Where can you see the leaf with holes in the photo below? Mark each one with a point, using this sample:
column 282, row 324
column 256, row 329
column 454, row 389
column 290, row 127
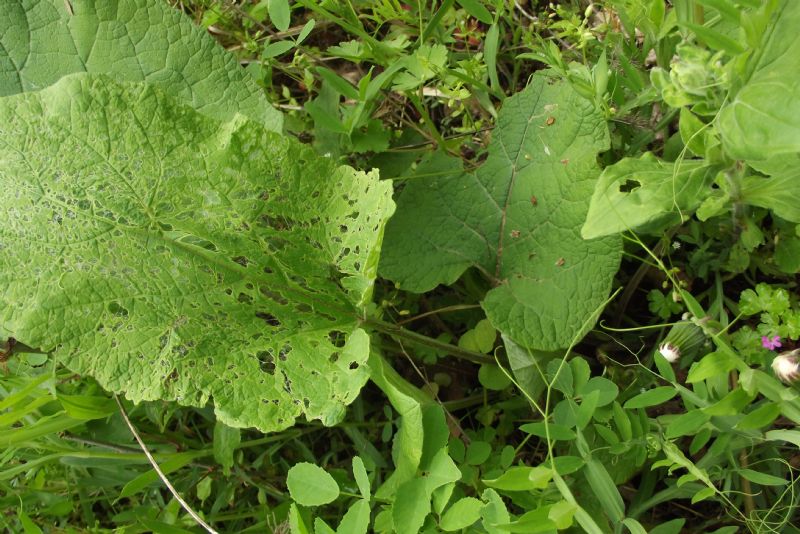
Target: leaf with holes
column 128, row 40
column 646, row 194
column 517, row 220
column 172, row 256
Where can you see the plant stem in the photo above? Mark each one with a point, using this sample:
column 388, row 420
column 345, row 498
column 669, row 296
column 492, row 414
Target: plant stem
column 418, row 339
column 455, row 307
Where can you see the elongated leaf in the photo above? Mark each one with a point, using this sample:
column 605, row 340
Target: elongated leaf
column 356, row 520
column 129, row 40
column 646, row 194
column 760, row 417
column 151, row 477
column 651, row 397
column 360, row 474
column 525, row 364
column 792, row 436
column 408, row 442
column 477, row 10
column 516, row 220
column 174, row 257
column 763, row 119
column 686, row 424
column 279, row 13
column 519, row 478
column 762, row 478
column 604, row 489
column 226, row 440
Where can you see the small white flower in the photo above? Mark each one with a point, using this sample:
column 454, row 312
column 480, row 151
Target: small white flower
column 670, row 352
column 786, row 366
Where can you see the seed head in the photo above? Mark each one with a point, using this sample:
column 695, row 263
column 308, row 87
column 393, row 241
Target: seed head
column 670, row 352
column 786, row 366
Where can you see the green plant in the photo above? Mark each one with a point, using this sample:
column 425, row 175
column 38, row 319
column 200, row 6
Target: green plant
column 165, row 238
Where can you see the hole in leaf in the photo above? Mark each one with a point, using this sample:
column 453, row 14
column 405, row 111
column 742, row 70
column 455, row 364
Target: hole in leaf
column 272, row 295
column 337, row 338
column 117, row 310
column 287, row 384
column 241, row 260
column 353, row 365
column 266, row 362
column 199, row 242
column 245, row 298
column 268, row 318
column 629, row 186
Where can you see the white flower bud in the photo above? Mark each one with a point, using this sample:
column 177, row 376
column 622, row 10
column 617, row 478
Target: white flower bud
column 670, row 352
column 786, row 366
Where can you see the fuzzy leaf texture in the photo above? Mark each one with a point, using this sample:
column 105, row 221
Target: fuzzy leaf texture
column 172, row 256
column 517, row 219
column 762, row 122
column 129, row 40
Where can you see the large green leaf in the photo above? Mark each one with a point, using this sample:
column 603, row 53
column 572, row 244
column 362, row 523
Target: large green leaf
column 763, row 119
column 129, row 40
column 517, row 220
column 172, row 256
column 646, row 194
column 778, row 193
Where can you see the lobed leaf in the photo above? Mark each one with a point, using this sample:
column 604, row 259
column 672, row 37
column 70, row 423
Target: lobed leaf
column 171, row 256
column 516, row 219
column 129, row 40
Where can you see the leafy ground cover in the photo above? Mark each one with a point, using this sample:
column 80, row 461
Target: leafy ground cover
column 448, row 266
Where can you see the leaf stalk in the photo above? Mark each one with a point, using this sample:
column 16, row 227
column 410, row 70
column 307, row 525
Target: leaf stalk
column 396, row 331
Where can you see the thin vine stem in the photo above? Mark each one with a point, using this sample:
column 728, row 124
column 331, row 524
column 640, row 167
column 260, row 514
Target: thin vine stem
column 160, row 473
column 397, row 331
column 455, row 307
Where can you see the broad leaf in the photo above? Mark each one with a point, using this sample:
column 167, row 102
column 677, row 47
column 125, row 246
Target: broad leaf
column 129, row 40
column 646, row 194
column 461, row 514
column 311, row 485
column 763, row 119
column 171, row 256
column 778, row 193
column 516, row 220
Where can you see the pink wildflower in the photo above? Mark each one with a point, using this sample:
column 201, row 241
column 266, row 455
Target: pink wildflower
column 771, row 343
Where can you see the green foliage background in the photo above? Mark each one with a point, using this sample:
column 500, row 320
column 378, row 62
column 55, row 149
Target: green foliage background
column 584, row 284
